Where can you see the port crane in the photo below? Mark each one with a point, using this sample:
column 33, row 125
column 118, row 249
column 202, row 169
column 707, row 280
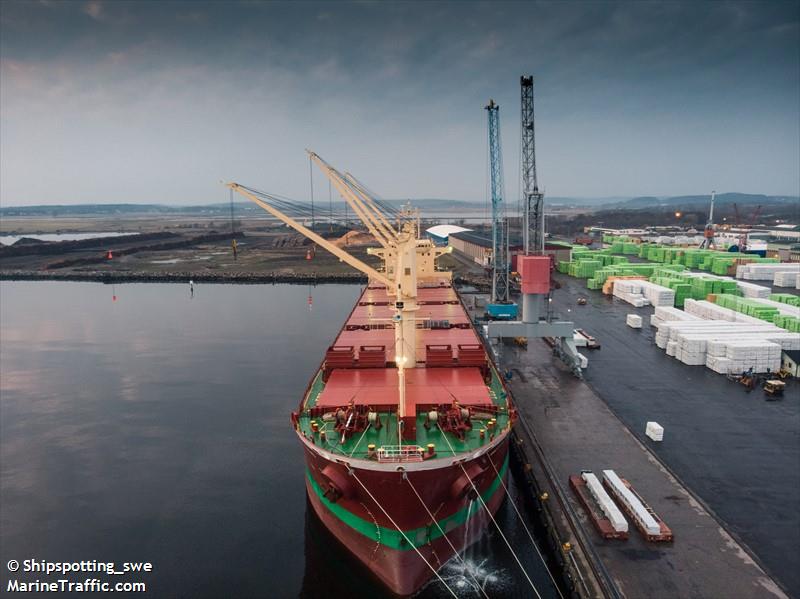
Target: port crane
column 500, row 306
column 535, row 319
column 708, row 232
column 533, row 199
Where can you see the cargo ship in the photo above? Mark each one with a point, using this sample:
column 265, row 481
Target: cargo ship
column 405, row 425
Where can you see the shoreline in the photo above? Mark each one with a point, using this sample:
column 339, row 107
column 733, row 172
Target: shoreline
column 235, row 278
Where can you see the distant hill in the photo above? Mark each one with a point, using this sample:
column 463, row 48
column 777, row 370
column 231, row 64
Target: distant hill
column 222, row 209
column 426, row 204
column 694, row 201
column 569, row 201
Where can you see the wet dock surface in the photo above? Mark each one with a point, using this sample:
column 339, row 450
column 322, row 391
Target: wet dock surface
column 736, row 452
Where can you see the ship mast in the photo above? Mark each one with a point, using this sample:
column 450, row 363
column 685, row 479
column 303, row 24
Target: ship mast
column 407, row 260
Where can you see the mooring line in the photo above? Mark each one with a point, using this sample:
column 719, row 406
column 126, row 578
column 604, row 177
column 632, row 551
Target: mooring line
column 400, row 530
column 433, row 519
column 359, row 440
column 488, row 511
column 525, row 526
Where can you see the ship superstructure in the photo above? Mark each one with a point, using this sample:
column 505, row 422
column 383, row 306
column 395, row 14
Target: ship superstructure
column 405, row 425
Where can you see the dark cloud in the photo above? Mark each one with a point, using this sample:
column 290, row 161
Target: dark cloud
column 155, row 101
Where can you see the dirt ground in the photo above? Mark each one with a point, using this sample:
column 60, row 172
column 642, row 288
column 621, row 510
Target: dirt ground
column 262, row 247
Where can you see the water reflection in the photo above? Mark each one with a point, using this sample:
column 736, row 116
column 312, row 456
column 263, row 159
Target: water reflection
column 155, row 428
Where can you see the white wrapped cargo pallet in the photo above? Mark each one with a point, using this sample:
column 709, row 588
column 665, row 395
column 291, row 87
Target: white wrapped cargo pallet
column 719, row 365
column 610, row 509
column 706, row 327
column 712, row 311
column 670, row 313
column 630, row 291
column 657, row 295
column 647, row 522
column 764, row 271
column 634, row 321
column 706, row 342
column 785, row 279
column 655, row 431
column 753, row 291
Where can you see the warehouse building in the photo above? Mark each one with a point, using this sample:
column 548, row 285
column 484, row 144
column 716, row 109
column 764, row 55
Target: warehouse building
column 478, row 247
column 440, row 234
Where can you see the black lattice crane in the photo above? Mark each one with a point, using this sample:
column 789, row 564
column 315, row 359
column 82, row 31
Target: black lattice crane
column 533, row 199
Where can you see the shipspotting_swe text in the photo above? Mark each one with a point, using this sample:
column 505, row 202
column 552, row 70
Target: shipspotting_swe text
column 91, row 565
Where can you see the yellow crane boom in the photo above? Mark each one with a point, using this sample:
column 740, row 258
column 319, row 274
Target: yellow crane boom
column 367, row 215
column 368, row 199
column 321, row 241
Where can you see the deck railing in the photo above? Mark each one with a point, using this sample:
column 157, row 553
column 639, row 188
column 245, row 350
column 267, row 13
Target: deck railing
column 400, row 453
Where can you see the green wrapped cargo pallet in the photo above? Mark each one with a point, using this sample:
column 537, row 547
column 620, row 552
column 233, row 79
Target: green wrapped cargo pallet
column 748, row 306
column 790, row 323
column 786, row 298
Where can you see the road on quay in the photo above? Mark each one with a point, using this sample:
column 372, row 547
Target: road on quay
column 739, row 453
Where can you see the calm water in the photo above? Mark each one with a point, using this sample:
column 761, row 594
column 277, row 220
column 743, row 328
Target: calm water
column 155, row 427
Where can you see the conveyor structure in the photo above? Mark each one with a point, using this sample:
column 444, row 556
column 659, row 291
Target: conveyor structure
column 536, row 322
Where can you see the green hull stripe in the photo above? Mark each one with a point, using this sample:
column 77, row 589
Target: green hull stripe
column 391, row 537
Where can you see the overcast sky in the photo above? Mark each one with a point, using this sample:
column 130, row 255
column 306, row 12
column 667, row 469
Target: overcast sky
column 157, row 101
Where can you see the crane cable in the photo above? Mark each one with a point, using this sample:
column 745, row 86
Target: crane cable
column 291, row 207
column 446, row 538
column 489, row 512
column 527, row 530
column 233, row 231
column 385, row 513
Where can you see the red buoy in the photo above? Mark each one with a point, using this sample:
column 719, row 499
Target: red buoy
column 109, row 255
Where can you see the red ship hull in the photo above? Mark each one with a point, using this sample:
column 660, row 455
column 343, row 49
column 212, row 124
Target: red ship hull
column 364, row 522
column 404, row 494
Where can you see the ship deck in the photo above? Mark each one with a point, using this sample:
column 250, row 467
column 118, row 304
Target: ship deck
column 370, row 325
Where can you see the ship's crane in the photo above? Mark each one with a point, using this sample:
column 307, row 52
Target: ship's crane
column 533, row 199
column 407, row 260
column 708, row 232
column 500, row 306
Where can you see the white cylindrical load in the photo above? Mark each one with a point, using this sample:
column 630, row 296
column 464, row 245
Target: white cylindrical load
column 625, row 495
column 605, row 502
